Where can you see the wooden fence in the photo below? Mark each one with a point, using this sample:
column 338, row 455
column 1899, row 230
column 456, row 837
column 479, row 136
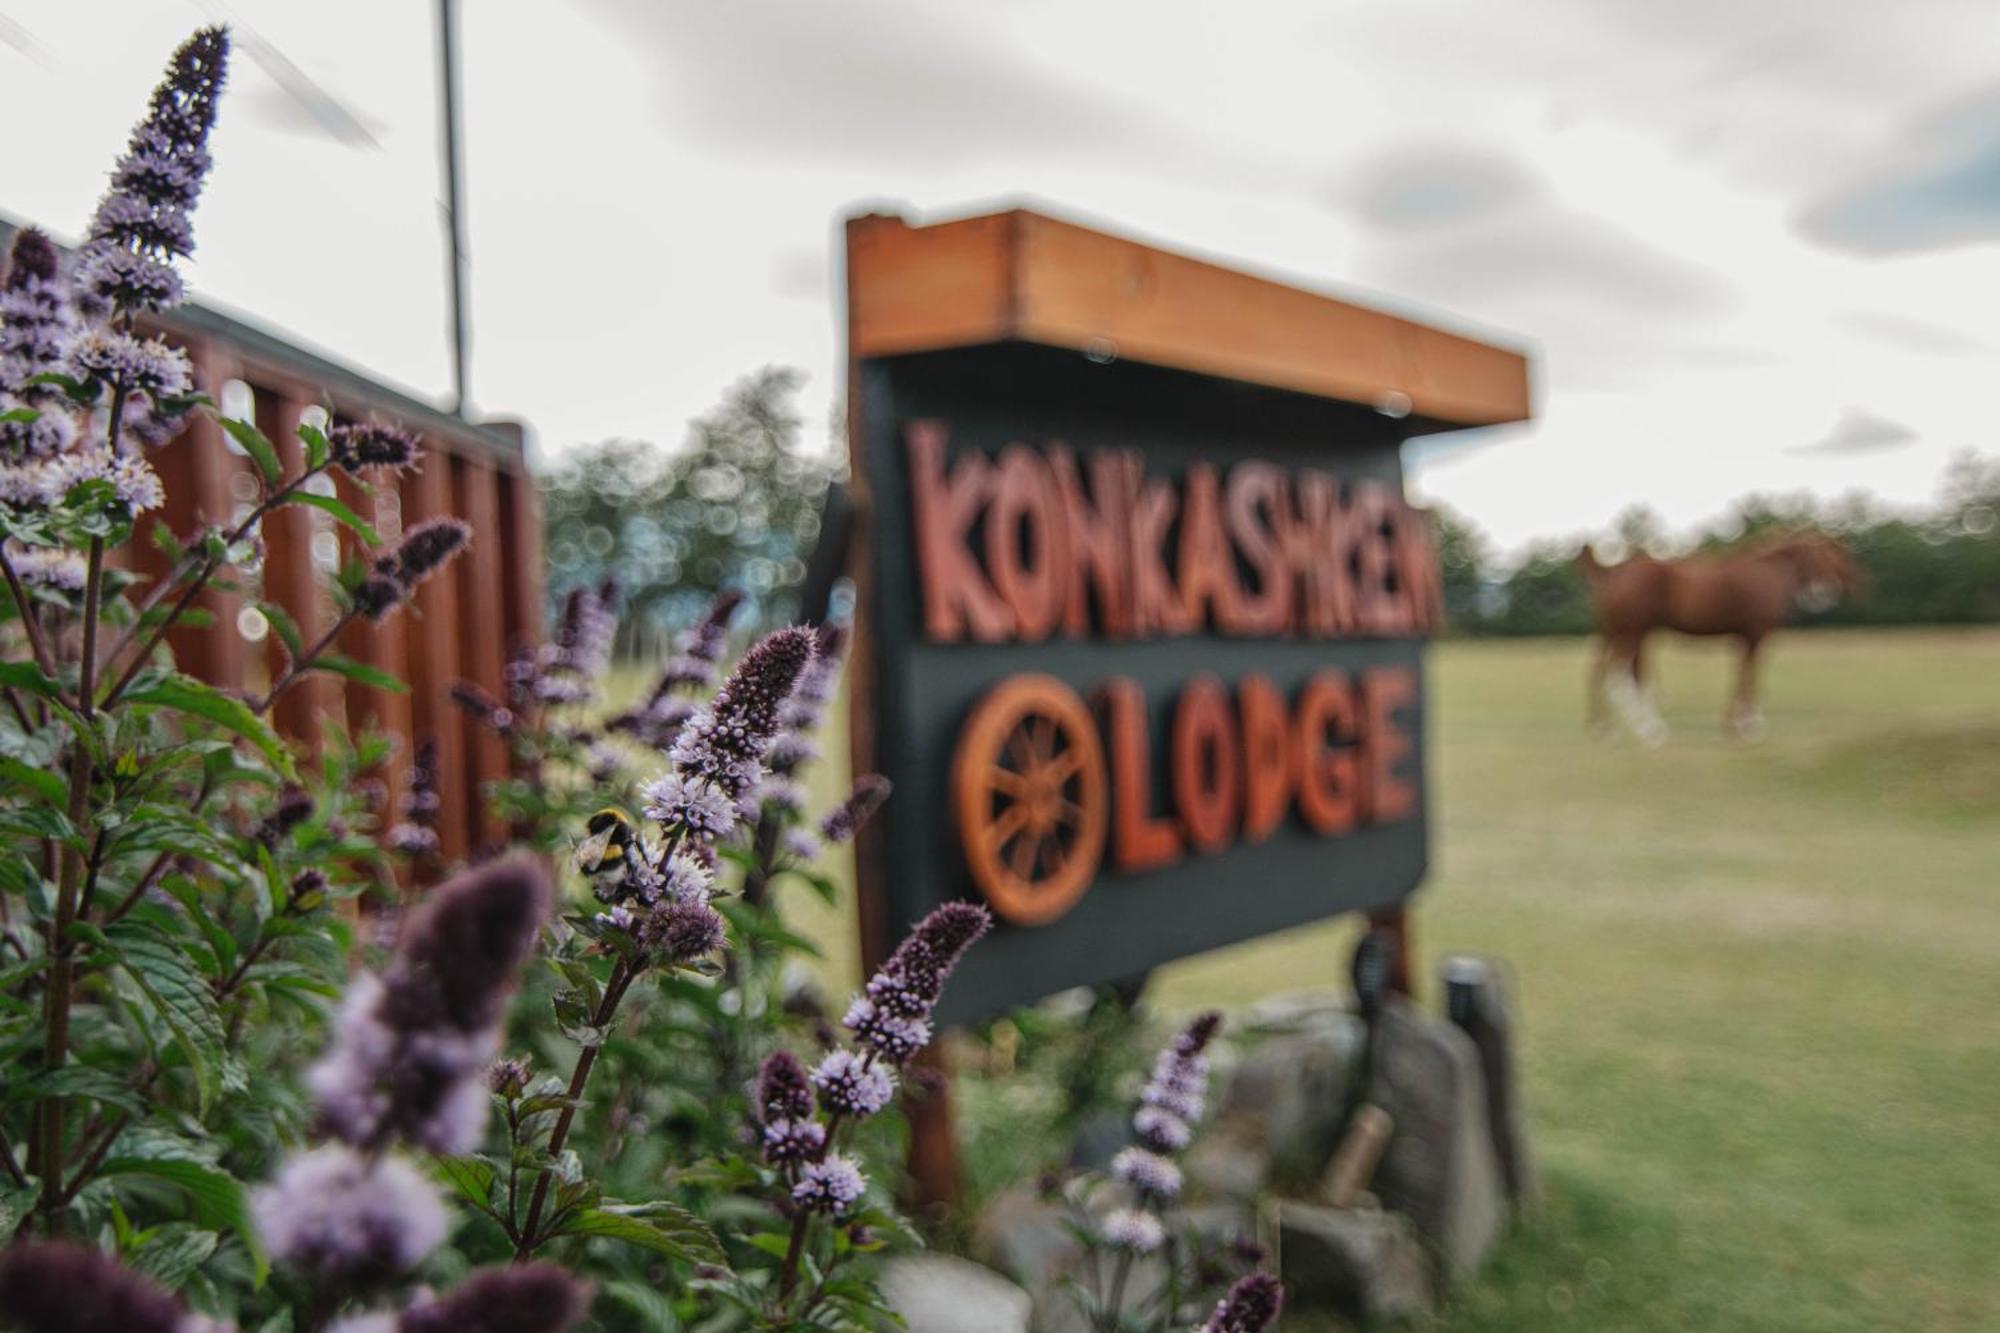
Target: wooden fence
column 462, row 623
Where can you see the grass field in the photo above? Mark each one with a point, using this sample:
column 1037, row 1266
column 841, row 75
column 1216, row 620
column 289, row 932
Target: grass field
column 1760, row 984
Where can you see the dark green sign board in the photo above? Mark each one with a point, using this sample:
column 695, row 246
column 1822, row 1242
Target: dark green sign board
column 1142, row 655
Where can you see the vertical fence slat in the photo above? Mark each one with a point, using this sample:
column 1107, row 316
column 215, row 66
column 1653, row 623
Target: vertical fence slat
column 291, row 581
column 434, row 661
column 461, row 625
column 218, row 655
column 379, row 644
column 482, row 618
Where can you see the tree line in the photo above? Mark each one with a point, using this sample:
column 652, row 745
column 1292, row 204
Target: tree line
column 739, row 503
column 1939, row 566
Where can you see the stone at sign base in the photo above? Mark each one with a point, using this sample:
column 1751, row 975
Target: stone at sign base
column 936, row 1293
column 1476, row 998
column 1280, row 1112
column 1439, row 1168
column 1365, row 1265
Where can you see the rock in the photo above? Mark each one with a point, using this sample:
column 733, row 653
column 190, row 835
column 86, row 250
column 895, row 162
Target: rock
column 1027, row 1238
column 936, row 1293
column 1439, row 1168
column 1365, row 1265
column 1288, row 1096
column 1229, row 1160
column 1477, row 1002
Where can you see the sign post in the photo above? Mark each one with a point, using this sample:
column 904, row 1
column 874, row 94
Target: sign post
column 1142, row 604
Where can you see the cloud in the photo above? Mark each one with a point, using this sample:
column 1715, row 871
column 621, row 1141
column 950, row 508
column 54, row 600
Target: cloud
column 1859, row 432
column 879, row 80
column 1935, row 186
column 1910, row 335
column 1471, row 225
column 803, row 274
column 1436, row 185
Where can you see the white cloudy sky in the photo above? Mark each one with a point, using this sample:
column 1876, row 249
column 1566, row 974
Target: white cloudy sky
column 1751, row 243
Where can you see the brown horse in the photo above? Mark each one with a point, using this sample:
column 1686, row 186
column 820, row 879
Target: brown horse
column 1746, row 593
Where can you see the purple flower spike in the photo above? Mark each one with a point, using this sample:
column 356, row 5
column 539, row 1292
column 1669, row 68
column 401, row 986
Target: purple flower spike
column 845, row 820
column 36, row 330
column 363, row 447
column 65, row 1288
column 141, row 225
column 518, row 1298
column 782, row 1091
column 1251, row 1306
column 892, row 1015
column 681, row 930
column 410, row 1049
column 344, row 1217
column 724, row 745
column 849, row 1085
column 832, row 1185
column 426, row 548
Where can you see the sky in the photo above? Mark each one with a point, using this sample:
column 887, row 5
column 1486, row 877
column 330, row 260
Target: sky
column 1749, row 244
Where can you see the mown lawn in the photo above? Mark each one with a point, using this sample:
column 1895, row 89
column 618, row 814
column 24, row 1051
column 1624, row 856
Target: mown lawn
column 1760, row 984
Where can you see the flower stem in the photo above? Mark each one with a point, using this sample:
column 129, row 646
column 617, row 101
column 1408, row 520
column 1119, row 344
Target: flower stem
column 29, row 621
column 303, row 663
column 1114, row 1306
column 622, row 976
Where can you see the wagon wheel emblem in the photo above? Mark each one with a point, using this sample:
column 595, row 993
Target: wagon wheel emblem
column 1029, row 787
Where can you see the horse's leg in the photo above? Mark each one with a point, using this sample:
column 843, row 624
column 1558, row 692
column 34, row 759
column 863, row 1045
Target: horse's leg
column 1627, row 668
column 1743, row 720
column 1652, row 727
column 1596, row 712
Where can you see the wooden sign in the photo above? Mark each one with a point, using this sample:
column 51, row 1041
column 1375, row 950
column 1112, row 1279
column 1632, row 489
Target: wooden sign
column 1143, row 606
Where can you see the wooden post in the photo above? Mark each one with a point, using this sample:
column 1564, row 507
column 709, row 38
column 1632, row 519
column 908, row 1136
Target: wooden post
column 936, row 1182
column 1395, row 923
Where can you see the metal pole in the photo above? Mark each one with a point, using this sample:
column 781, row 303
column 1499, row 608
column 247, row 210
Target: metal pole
column 454, row 215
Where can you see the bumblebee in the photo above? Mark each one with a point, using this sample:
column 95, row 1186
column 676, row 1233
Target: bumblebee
column 606, row 854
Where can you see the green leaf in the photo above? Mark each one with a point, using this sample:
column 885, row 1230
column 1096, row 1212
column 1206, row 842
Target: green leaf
column 168, row 976
column 171, row 1254
column 471, row 1178
column 191, row 696
column 262, row 452
column 27, row 676
column 340, row 512
column 655, row 1311
column 360, row 672
column 76, row 1080
column 287, row 629
column 665, row 1229
column 314, row 440
column 218, row 1198
column 45, row 785
column 19, row 415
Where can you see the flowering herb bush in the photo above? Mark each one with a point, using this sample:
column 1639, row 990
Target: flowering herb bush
column 170, row 932
column 169, row 876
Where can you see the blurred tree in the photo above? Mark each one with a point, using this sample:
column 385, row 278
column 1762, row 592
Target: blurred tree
column 1545, row 594
column 1463, row 559
column 738, row 504
column 1641, row 531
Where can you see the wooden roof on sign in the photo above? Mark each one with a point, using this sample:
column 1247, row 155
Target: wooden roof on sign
column 1021, row 276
